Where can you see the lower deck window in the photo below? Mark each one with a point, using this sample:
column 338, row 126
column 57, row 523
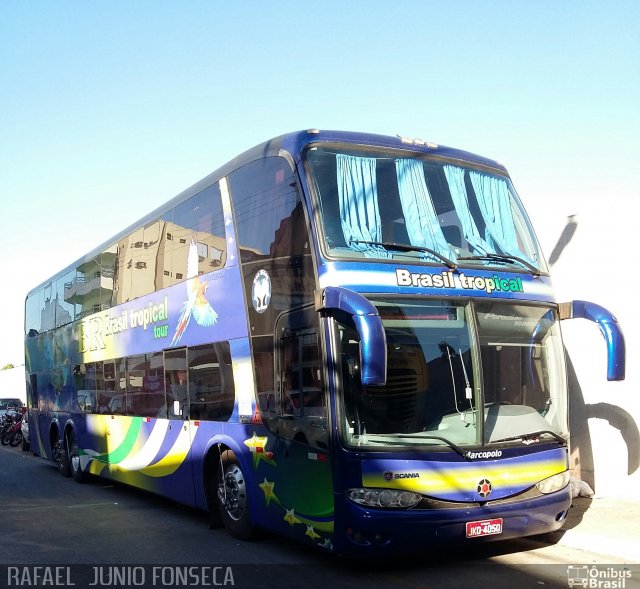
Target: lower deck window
column 187, row 383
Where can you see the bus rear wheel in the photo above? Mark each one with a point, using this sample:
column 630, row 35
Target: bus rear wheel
column 61, row 456
column 232, row 497
column 74, row 459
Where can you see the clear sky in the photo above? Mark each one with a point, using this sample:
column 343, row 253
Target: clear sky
column 108, row 109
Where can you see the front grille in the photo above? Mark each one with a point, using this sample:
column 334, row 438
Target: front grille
column 432, row 503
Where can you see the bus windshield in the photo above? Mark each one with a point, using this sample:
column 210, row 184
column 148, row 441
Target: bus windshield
column 439, row 391
column 394, row 205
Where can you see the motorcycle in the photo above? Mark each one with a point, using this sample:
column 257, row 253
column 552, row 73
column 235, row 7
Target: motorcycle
column 12, row 435
column 8, row 419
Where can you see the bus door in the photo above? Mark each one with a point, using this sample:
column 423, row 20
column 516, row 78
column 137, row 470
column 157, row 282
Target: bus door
column 178, row 434
column 302, row 450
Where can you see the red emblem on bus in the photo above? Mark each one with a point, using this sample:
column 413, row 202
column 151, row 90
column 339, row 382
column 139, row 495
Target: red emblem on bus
column 484, row 488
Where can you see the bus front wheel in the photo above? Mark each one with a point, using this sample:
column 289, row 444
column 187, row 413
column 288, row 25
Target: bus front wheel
column 232, row 497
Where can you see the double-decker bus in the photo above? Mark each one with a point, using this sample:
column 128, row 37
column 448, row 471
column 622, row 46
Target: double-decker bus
column 344, row 338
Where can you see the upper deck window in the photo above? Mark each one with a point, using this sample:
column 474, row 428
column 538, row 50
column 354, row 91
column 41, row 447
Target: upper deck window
column 394, row 205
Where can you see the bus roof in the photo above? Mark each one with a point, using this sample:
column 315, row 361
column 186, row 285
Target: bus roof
column 292, row 144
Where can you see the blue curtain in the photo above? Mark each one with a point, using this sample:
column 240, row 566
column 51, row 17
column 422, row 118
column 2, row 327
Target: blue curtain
column 420, row 215
column 358, row 199
column 495, row 205
column 455, row 180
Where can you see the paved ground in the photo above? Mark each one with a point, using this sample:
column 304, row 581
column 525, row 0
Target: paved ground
column 52, row 520
column 604, row 525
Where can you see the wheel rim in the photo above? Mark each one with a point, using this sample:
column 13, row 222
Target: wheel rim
column 75, row 462
column 232, row 492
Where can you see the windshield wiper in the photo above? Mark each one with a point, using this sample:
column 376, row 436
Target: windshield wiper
column 507, row 259
column 530, row 437
column 409, row 248
column 449, row 443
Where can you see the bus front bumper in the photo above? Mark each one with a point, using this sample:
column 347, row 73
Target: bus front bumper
column 367, row 531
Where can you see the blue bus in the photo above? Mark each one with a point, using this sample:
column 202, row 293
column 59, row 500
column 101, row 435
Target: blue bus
column 344, row 338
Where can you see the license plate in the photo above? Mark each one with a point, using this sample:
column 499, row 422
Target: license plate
column 486, row 527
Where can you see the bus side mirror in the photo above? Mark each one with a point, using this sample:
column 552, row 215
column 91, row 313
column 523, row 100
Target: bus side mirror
column 610, row 329
column 373, row 341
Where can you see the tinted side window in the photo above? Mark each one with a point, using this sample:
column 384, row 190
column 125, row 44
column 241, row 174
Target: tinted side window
column 275, row 255
column 264, row 199
column 175, row 376
column 136, row 262
column 211, row 387
column 156, row 256
column 33, row 313
column 196, row 223
column 65, row 311
column 300, row 394
column 145, row 385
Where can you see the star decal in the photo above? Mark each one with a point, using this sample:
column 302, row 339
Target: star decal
column 311, row 533
column 267, row 489
column 326, row 544
column 257, row 445
column 291, row 518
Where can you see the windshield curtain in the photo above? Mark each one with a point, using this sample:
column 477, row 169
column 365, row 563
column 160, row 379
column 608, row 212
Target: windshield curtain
column 422, row 223
column 358, row 199
column 371, row 198
column 460, row 197
column 442, row 388
column 494, row 201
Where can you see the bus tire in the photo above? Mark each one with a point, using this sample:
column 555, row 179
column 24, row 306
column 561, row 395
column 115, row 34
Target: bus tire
column 74, row 459
column 64, row 468
column 232, row 498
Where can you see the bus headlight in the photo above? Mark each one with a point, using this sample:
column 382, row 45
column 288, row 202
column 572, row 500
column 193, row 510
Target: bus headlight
column 384, row 498
column 554, row 483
